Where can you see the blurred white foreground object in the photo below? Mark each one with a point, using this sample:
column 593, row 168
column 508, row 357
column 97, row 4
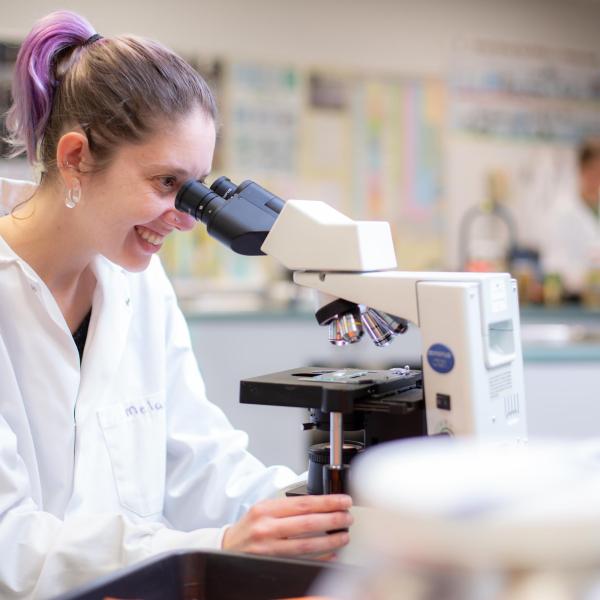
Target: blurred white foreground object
column 461, row 519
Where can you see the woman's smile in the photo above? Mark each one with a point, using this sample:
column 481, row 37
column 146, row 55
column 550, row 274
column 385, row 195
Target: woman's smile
column 149, row 236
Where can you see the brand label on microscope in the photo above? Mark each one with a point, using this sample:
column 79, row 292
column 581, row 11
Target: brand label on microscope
column 440, row 358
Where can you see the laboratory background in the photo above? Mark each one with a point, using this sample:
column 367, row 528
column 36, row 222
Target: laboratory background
column 459, row 122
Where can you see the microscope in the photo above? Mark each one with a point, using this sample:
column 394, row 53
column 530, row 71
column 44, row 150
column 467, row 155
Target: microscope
column 471, row 382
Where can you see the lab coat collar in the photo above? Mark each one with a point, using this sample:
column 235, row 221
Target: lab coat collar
column 109, row 328
column 111, row 305
column 13, row 191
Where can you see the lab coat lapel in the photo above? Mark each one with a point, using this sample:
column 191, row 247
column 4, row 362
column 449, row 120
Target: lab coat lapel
column 107, row 337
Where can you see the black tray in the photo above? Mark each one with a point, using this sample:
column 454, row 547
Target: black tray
column 205, row 576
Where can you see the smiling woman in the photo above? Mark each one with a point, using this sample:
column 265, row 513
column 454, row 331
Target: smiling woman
column 109, row 449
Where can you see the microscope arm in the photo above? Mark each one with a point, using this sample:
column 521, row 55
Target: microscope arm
column 471, row 347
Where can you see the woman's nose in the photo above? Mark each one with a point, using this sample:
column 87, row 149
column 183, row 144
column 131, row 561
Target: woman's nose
column 179, row 220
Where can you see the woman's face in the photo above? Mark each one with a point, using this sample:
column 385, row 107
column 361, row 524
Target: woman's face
column 129, row 207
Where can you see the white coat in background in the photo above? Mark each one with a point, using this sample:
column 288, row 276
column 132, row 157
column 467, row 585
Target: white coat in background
column 571, row 244
column 551, row 216
column 121, row 458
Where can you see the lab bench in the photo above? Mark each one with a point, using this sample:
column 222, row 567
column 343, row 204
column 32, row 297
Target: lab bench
column 561, row 349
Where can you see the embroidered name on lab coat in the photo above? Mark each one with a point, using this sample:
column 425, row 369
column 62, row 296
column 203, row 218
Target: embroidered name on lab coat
column 141, row 409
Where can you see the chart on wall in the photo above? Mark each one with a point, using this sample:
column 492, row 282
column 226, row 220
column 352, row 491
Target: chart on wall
column 264, row 110
column 398, row 159
column 371, row 147
column 526, row 92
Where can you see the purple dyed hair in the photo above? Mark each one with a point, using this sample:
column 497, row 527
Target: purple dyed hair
column 34, row 81
column 117, row 90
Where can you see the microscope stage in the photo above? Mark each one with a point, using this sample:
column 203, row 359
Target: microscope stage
column 342, row 390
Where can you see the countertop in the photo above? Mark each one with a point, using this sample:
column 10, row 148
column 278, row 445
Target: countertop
column 567, row 333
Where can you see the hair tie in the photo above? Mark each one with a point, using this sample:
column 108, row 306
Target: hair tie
column 92, row 39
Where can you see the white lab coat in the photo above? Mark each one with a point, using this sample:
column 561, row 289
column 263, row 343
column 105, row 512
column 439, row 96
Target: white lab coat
column 571, row 245
column 107, row 464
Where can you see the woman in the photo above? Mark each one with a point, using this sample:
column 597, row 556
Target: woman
column 109, row 450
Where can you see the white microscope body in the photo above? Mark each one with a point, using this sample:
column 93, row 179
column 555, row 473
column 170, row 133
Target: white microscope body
column 469, row 322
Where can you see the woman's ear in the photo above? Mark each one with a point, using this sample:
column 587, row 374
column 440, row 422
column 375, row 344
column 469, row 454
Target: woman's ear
column 72, row 152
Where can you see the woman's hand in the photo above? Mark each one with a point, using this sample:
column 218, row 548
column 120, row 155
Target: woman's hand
column 292, row 526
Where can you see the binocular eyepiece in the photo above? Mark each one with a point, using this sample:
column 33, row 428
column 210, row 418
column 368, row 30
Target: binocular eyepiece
column 240, row 216
column 200, row 201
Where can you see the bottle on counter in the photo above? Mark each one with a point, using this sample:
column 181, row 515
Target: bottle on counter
column 553, row 289
column 525, row 268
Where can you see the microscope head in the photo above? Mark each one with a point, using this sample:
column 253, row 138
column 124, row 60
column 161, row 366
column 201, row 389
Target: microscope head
column 314, row 237
column 304, row 236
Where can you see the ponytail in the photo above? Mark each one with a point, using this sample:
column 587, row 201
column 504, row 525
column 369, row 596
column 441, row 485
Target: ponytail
column 116, row 90
column 35, row 78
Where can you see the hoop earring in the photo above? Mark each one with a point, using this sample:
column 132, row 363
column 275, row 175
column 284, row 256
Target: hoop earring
column 73, row 195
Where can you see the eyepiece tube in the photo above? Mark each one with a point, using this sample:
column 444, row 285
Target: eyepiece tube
column 224, row 187
column 238, row 216
column 198, row 200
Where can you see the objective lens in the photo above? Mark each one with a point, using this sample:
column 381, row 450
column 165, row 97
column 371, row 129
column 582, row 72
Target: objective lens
column 198, row 200
column 335, row 334
column 396, row 324
column 224, row 187
column 351, row 329
column 375, row 325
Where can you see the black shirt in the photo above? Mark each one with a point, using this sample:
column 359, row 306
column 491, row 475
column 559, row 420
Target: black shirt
column 80, row 334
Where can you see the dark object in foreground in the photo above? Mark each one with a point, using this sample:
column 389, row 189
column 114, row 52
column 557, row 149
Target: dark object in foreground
column 205, row 576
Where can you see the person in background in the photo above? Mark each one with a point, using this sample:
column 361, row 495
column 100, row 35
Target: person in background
column 572, row 245
column 110, row 451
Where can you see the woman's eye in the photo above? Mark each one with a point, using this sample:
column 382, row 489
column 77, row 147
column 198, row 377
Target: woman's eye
column 167, row 182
